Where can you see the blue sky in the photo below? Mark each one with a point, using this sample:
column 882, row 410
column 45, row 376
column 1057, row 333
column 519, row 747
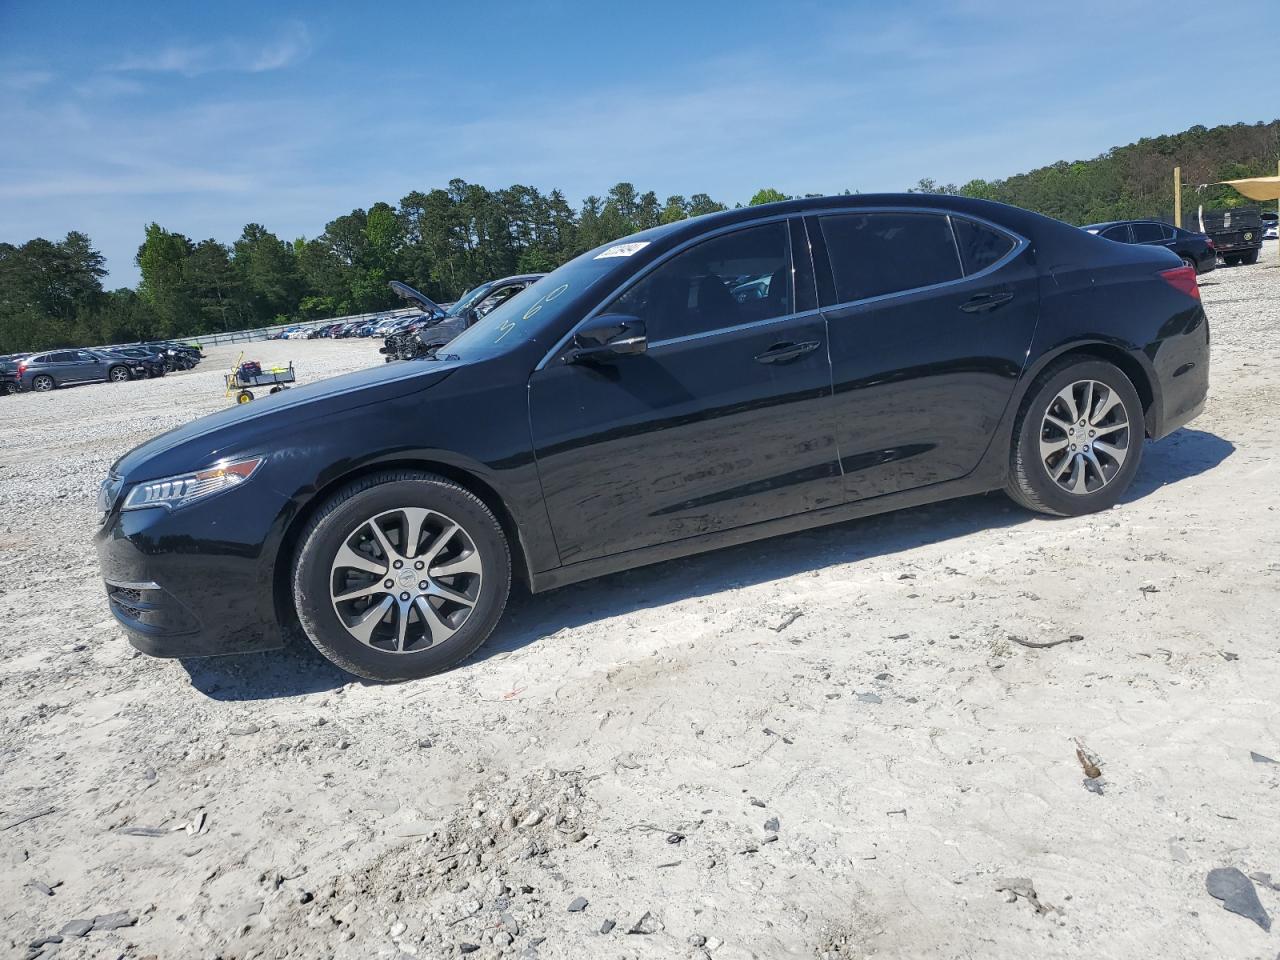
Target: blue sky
column 203, row 117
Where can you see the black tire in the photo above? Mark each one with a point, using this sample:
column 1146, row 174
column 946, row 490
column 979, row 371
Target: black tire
column 1231, row 261
column 1029, row 481
column 42, row 383
column 11, row 388
column 344, row 514
column 1250, row 258
column 1189, row 262
column 119, row 374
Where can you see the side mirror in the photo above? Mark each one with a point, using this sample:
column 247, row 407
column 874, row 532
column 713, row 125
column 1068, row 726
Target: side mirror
column 612, row 335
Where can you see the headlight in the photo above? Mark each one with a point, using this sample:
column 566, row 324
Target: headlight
column 188, row 487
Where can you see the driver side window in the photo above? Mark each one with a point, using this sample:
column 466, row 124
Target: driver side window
column 736, row 278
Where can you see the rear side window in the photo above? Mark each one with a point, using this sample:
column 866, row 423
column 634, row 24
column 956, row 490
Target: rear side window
column 980, row 246
column 873, row 254
column 736, row 278
column 59, row 358
column 1120, row 233
column 1147, row 233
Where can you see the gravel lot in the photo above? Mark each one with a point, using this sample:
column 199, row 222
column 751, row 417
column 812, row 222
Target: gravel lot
column 823, row 745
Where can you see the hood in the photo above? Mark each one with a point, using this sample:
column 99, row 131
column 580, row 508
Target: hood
column 244, row 426
column 406, row 292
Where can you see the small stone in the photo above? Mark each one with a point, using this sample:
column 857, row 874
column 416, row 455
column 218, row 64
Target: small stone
column 772, row 825
column 76, row 928
column 114, row 921
column 870, row 697
column 509, row 924
column 884, row 676
column 646, row 923
column 697, row 940
column 465, row 947
column 502, row 939
column 398, row 928
column 532, row 818
column 41, row 941
column 425, row 744
column 305, row 896
column 41, row 887
column 577, row 904
column 578, row 836
column 1093, row 785
column 757, row 803
column 243, row 729
column 1259, row 758
column 1237, row 894
column 607, row 926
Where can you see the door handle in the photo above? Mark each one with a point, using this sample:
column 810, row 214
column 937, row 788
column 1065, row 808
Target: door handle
column 787, row 351
column 985, row 301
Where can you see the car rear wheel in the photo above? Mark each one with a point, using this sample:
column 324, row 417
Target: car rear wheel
column 118, row 374
column 1078, row 439
column 1250, row 257
column 401, row 575
column 1188, row 262
column 43, row 383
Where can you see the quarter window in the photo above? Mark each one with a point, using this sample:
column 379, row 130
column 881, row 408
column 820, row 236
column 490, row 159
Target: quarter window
column 733, row 279
column 980, row 246
column 873, row 254
column 1119, row 234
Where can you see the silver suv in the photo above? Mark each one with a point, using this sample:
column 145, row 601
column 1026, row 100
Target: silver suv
column 60, row 368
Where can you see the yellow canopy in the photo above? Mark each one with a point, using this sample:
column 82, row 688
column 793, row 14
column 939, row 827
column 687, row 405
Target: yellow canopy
column 1257, row 188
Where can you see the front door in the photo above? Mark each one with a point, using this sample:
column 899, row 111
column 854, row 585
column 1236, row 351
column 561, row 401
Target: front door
column 930, row 318
column 724, row 421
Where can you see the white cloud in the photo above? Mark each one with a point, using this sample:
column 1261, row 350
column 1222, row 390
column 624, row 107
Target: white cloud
column 232, row 55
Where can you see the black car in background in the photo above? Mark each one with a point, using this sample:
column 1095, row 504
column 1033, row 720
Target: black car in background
column 437, row 326
column 1194, row 249
column 628, row 408
column 148, row 363
column 9, row 382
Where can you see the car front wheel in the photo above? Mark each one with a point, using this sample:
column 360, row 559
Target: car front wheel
column 1078, row 439
column 401, row 575
column 118, row 374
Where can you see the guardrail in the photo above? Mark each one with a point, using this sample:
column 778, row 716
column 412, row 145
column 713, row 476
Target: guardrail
column 262, row 333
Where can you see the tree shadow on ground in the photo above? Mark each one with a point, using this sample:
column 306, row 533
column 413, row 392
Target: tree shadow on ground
column 299, row 669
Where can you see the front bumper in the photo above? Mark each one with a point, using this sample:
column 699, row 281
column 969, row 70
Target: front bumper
column 182, row 585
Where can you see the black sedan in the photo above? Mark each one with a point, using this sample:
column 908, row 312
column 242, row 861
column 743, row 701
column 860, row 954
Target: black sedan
column 1193, row 249
column 629, row 408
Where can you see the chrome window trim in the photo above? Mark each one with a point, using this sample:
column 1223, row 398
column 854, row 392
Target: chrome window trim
column 1020, row 243
column 673, row 252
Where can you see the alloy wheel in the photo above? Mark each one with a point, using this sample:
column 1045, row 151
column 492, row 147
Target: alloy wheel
column 405, row 580
column 119, row 374
column 42, row 384
column 1084, row 437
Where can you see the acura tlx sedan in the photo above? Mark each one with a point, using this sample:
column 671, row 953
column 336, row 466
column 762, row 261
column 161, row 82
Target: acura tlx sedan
column 629, row 408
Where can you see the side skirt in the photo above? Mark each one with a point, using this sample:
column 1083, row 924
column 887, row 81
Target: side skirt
column 980, row 481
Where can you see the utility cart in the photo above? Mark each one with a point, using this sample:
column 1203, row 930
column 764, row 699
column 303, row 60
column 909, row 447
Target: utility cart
column 244, row 377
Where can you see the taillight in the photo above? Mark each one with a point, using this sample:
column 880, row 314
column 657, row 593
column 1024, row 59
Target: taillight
column 22, row 368
column 1210, row 244
column 1183, row 279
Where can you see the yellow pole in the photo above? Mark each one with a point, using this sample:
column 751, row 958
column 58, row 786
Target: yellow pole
column 1177, row 196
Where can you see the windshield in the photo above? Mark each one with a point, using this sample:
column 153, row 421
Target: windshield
column 468, row 299
column 540, row 305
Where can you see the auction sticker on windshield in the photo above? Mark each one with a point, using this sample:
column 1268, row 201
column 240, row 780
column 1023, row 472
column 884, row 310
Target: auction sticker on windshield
column 622, row 249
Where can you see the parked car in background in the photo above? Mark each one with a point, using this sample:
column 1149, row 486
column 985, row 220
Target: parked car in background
column 628, row 409
column 1270, row 225
column 1236, row 233
column 9, row 382
column 437, row 326
column 1194, row 249
column 150, row 363
column 42, row 372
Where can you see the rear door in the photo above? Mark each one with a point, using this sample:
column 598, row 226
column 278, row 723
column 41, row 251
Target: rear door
column 64, row 366
column 1119, row 233
column 723, row 422
column 930, row 317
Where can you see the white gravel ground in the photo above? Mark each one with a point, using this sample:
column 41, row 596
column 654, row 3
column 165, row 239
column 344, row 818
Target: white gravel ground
column 821, row 745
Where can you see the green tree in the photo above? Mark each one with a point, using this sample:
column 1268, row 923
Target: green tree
column 767, row 195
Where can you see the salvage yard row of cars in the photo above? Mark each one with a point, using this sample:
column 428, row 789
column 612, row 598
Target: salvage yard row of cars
column 51, row 369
